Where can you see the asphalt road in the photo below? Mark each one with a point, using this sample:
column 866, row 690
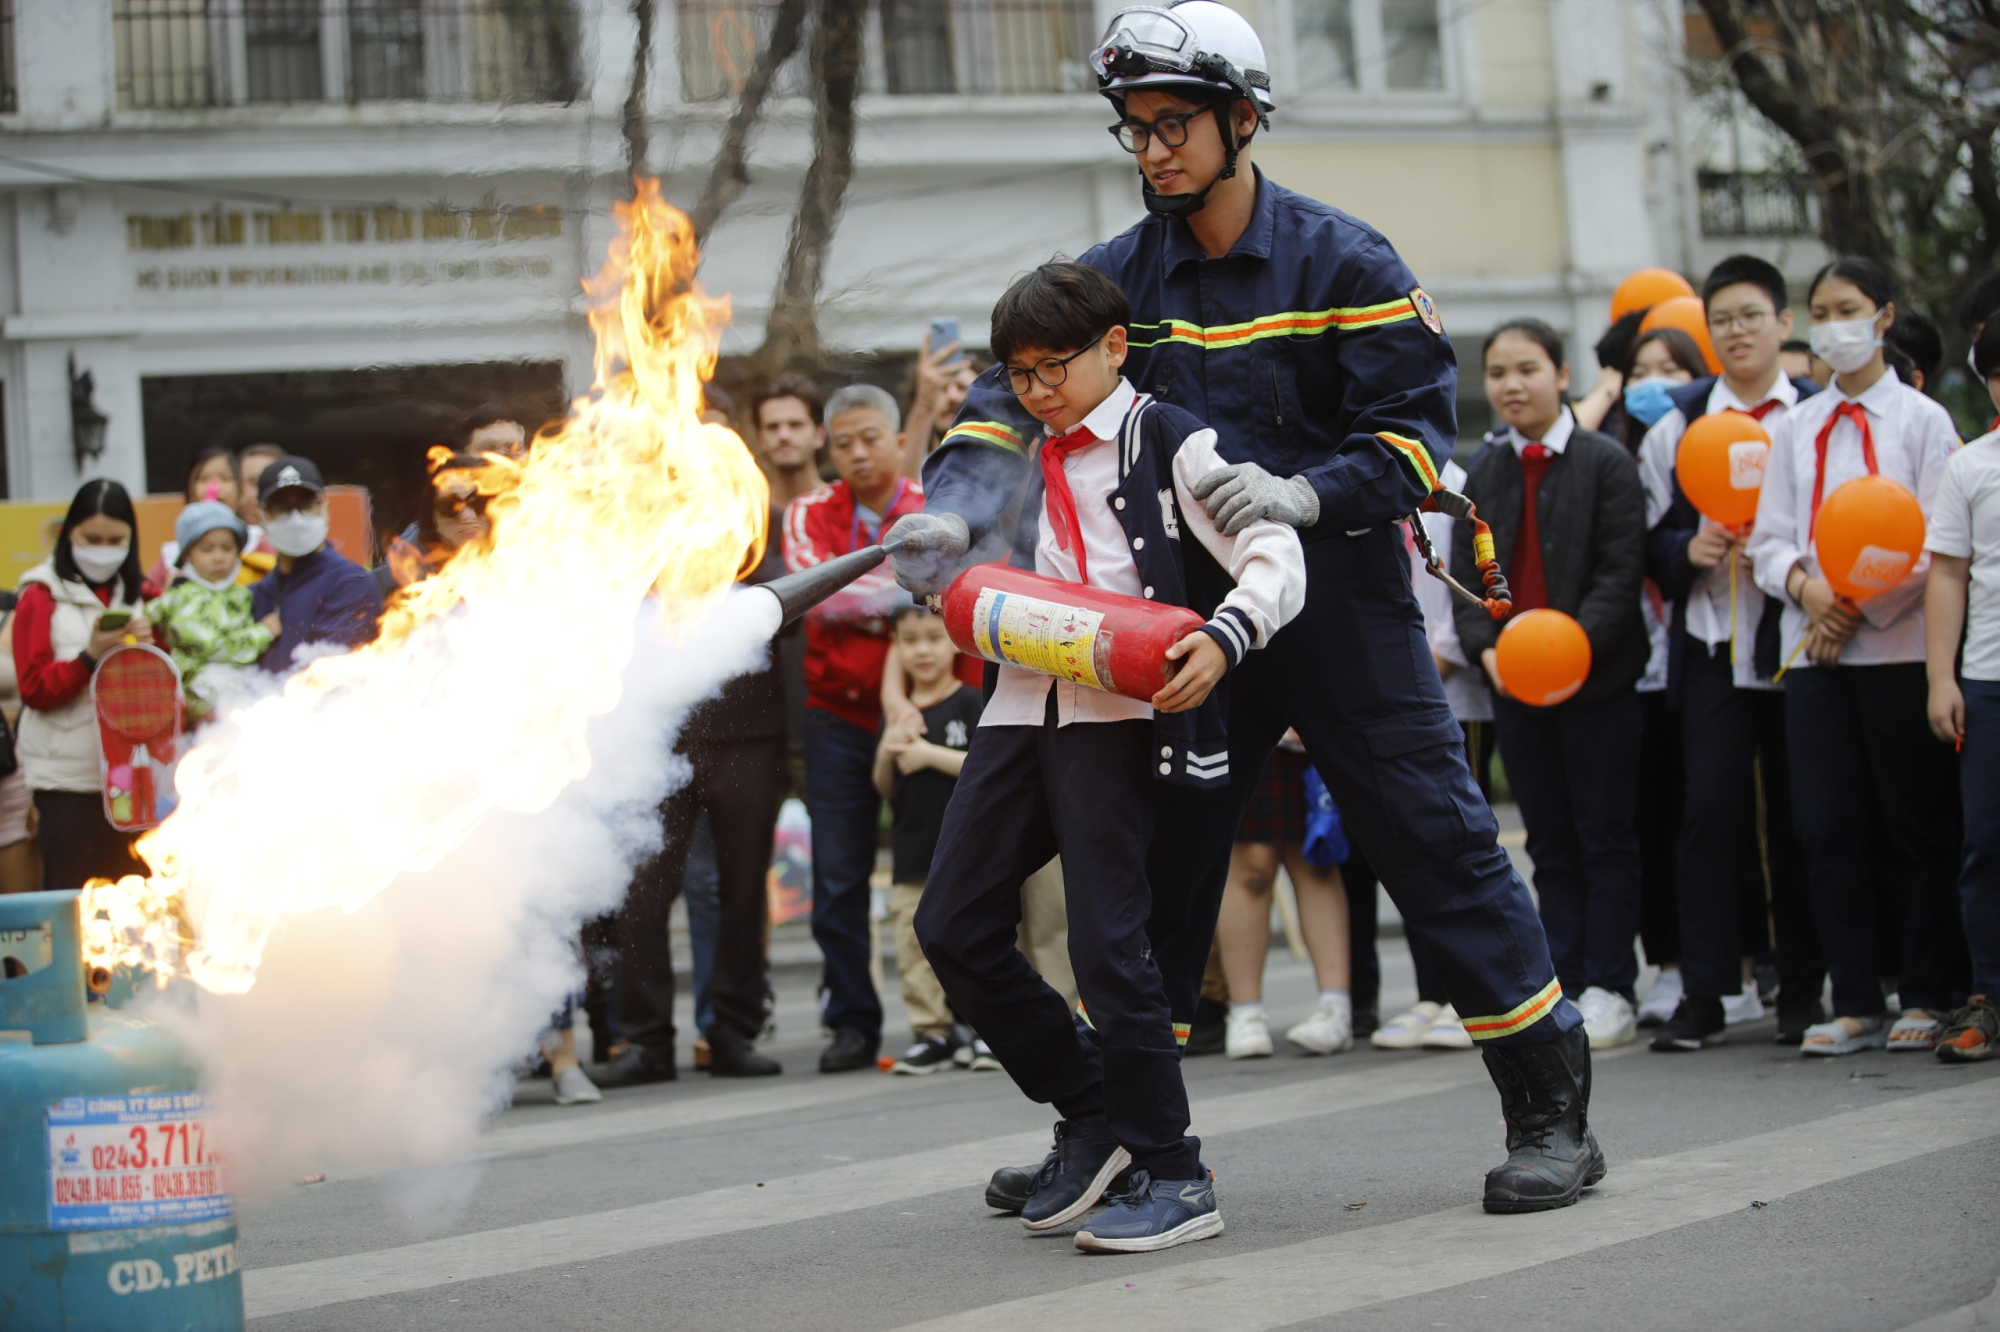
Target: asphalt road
column 1749, row 1189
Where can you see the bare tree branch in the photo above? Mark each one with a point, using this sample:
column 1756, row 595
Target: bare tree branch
column 730, row 175
column 637, row 135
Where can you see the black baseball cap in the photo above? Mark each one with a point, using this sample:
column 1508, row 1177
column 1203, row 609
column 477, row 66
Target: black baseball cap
column 288, row 472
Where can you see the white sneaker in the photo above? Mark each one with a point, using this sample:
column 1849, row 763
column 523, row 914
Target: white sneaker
column 1447, row 1033
column 1329, row 1030
column 1405, row 1031
column 1246, row 1035
column 574, row 1087
column 1662, row 999
column 1608, row 1019
column 1747, row 1006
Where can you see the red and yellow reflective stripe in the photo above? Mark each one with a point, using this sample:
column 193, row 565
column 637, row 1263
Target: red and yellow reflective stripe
column 1415, row 454
column 1288, row 324
column 1519, row 1018
column 1181, row 1032
column 991, row 432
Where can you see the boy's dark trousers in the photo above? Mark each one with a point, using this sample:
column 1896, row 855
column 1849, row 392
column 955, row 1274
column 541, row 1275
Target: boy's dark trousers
column 1864, row 760
column 1087, row 791
column 1575, row 771
column 846, row 827
column 1979, row 879
column 1732, row 738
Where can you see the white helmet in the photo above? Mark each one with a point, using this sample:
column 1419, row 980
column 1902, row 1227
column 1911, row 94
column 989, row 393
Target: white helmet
column 1199, row 42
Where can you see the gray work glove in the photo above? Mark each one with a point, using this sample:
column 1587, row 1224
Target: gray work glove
column 932, row 545
column 1238, row 495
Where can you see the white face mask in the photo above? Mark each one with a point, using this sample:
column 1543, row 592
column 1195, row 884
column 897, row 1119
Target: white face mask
column 98, row 563
column 296, row 534
column 222, row 584
column 1845, row 344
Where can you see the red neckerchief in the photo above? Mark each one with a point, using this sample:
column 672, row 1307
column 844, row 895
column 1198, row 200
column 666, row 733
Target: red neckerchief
column 1060, row 501
column 1854, row 412
column 1761, row 410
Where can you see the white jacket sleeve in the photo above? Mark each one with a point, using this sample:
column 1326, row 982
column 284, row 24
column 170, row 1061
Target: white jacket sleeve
column 1265, row 559
column 1778, row 541
column 1657, row 452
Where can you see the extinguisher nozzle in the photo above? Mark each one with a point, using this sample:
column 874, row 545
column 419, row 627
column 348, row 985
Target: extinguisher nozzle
column 799, row 592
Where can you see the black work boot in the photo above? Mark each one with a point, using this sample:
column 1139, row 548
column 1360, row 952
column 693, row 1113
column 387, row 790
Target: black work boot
column 1552, row 1156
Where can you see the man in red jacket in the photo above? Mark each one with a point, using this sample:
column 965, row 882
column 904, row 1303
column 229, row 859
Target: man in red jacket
column 847, row 638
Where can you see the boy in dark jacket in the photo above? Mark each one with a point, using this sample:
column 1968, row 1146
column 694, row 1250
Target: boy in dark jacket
column 1057, row 767
column 1569, row 518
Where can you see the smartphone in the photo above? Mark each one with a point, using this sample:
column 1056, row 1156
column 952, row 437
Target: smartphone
column 116, row 619
column 944, row 332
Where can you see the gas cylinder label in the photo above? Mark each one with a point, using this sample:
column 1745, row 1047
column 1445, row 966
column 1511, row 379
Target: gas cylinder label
column 133, row 1160
column 1036, row 635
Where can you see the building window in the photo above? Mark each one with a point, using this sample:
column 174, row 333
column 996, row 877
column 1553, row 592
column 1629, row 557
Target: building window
column 924, row 46
column 8, row 101
column 1765, row 204
column 1365, row 46
column 196, row 53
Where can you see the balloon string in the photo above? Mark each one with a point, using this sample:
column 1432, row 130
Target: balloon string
column 1792, row 658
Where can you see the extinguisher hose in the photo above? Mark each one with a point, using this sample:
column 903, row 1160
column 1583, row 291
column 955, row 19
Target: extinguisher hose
column 1498, row 601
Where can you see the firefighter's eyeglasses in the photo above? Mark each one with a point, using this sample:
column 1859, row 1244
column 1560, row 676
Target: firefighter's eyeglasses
column 1053, row 372
column 1135, row 135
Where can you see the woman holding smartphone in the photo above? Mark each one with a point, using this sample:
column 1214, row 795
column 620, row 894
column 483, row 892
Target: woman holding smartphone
column 76, row 606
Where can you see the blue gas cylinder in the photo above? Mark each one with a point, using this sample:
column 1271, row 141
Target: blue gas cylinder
column 113, row 1212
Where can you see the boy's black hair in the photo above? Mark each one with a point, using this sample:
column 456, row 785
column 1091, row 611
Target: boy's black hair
column 1917, row 338
column 1894, row 357
column 1060, row 307
column 1986, row 351
column 1615, row 347
column 1796, row 345
column 107, row 497
column 789, row 385
column 1679, row 344
column 904, row 612
column 1980, row 302
column 1741, row 268
column 1863, row 273
column 1535, row 331
column 486, row 414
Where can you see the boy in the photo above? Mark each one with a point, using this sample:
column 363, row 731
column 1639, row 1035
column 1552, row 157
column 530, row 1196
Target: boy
column 204, row 617
column 847, row 640
column 1719, row 672
column 916, row 767
column 1964, row 541
column 1058, row 768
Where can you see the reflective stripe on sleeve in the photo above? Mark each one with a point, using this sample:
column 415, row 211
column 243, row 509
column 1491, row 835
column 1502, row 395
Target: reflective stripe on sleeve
column 1290, row 323
column 1516, row 1019
column 990, row 432
column 1415, row 454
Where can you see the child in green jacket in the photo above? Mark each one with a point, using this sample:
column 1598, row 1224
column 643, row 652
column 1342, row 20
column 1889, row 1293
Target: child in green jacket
column 204, row 617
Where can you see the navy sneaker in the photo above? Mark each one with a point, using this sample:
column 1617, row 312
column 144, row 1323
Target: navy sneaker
column 1085, row 1161
column 1155, row 1214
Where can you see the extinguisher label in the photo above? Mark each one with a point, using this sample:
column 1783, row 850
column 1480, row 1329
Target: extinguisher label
column 1040, row 636
column 133, row 1160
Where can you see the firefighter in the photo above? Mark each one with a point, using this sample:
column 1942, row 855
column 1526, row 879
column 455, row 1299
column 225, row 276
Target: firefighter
column 1298, row 333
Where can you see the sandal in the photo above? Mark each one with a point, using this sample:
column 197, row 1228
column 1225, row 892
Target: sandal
column 1917, row 1029
column 1835, row 1037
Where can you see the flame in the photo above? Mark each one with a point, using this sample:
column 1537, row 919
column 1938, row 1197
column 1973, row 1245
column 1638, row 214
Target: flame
column 476, row 694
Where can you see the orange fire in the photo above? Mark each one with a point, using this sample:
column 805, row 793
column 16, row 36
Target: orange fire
column 476, row 694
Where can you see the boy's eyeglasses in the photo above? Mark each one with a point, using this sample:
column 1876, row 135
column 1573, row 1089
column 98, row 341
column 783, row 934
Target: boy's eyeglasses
column 460, row 506
column 1750, row 321
column 1134, row 135
column 1053, row 372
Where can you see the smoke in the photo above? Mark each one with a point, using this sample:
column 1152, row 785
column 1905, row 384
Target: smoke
column 382, row 1038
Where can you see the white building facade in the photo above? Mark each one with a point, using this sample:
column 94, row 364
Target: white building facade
column 337, row 223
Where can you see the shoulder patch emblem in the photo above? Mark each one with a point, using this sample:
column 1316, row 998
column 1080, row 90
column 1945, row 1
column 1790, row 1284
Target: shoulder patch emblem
column 1427, row 310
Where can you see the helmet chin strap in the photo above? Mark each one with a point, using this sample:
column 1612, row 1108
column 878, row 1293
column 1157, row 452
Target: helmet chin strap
column 1186, row 205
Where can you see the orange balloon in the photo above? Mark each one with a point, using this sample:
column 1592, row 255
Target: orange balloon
column 1690, row 316
column 1543, row 657
column 1869, row 536
column 1646, row 288
column 1721, row 466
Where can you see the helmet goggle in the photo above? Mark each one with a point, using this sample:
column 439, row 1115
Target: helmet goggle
column 1145, row 40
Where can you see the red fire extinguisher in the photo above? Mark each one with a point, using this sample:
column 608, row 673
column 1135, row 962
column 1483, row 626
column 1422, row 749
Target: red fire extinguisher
column 1069, row 630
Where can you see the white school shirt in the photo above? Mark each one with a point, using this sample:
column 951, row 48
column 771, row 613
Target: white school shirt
column 1708, row 599
column 1265, row 559
column 1965, row 523
column 1465, row 688
column 1914, row 437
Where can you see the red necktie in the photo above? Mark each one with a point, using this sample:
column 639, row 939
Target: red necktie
column 1854, row 412
column 1060, row 501
column 1524, row 573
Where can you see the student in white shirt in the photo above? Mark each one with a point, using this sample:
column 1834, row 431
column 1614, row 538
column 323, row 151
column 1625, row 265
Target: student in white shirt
column 1719, row 662
column 1866, row 771
column 1963, row 598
